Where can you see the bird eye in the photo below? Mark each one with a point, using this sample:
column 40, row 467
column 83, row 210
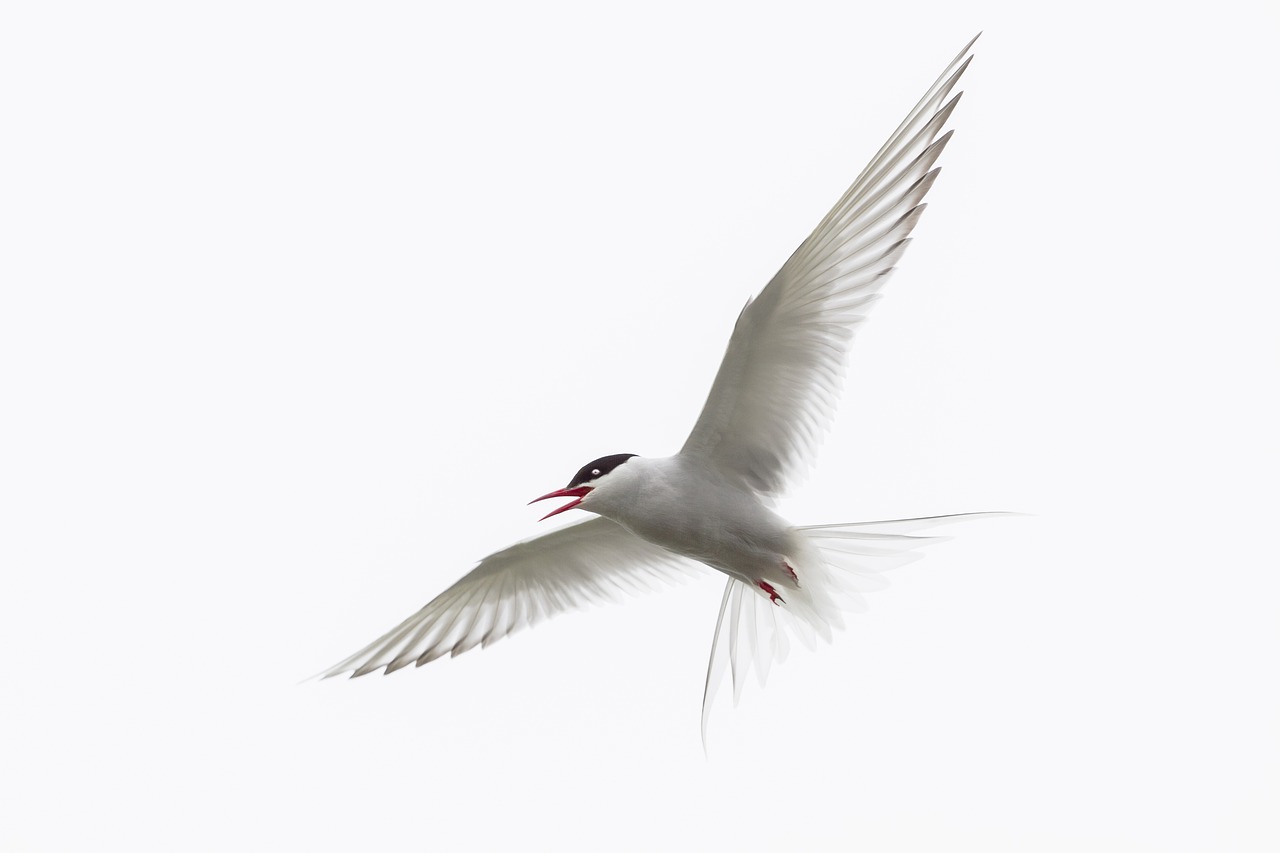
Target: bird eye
column 595, row 472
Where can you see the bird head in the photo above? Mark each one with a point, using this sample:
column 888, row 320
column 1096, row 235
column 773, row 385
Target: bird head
column 588, row 478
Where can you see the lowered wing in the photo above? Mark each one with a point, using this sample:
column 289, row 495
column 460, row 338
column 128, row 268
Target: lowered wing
column 519, row 586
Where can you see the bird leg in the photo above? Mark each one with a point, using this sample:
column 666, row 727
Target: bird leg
column 791, row 572
column 774, row 598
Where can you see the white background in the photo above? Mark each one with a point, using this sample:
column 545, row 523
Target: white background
column 303, row 301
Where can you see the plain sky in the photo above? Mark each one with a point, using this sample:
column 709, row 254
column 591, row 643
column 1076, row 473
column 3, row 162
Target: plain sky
column 302, row 302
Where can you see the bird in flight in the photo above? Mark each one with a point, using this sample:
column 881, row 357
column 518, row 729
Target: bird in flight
column 711, row 504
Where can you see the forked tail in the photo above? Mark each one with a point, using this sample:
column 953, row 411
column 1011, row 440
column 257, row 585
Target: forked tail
column 841, row 562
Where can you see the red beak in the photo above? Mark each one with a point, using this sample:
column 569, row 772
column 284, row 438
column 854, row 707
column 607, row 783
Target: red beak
column 580, row 492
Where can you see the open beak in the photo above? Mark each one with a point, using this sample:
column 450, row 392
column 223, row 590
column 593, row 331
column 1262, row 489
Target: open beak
column 580, row 492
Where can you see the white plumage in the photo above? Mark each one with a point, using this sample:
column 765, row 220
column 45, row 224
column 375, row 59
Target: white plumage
column 710, row 504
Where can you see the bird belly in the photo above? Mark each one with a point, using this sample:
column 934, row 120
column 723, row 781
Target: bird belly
column 730, row 532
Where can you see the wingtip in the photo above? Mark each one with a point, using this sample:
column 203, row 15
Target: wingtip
column 964, row 53
column 323, row 675
column 962, row 60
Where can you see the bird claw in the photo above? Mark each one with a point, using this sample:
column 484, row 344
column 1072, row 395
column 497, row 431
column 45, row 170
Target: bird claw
column 791, row 572
column 774, row 598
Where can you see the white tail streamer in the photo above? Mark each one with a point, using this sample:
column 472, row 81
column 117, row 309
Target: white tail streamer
column 842, row 562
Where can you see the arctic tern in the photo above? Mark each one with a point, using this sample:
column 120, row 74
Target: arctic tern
column 773, row 398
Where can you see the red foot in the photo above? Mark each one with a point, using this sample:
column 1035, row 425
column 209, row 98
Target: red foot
column 774, row 598
column 791, row 572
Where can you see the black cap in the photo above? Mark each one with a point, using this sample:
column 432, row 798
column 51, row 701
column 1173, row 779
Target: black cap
column 597, row 468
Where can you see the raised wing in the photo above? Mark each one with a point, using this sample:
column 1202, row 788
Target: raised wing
column 517, row 587
column 776, row 391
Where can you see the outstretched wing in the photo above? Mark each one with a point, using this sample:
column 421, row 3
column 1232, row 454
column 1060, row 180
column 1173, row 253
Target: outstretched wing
column 776, row 390
column 519, row 586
